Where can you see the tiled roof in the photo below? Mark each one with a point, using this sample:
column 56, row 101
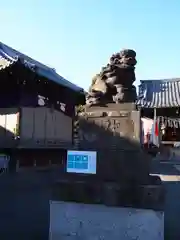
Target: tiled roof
column 9, row 56
column 159, row 93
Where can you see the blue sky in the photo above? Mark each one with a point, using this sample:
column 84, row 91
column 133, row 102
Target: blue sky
column 77, row 37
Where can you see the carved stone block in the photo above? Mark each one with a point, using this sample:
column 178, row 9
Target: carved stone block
column 115, row 134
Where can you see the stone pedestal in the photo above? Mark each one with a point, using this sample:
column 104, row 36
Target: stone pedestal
column 122, row 185
column 122, row 181
column 114, row 132
column 122, row 177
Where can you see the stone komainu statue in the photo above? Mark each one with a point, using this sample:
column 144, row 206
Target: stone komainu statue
column 115, row 81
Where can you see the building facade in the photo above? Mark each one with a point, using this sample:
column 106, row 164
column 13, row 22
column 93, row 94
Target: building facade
column 37, row 110
column 160, row 100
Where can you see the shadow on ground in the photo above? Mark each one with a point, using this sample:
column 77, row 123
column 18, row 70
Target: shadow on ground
column 172, row 210
column 165, row 168
column 25, row 205
column 172, row 200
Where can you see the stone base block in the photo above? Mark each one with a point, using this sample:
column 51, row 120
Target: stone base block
column 110, row 194
column 70, row 221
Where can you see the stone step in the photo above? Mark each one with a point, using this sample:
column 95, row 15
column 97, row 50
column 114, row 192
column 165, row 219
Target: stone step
column 110, row 194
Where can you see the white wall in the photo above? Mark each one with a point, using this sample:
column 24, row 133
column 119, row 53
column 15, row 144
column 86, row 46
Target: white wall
column 9, row 118
column 44, row 123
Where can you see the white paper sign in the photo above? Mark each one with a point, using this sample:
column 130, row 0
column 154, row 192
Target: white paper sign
column 81, row 162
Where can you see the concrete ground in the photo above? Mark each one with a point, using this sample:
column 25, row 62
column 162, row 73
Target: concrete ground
column 24, row 203
column 24, row 206
column 170, row 174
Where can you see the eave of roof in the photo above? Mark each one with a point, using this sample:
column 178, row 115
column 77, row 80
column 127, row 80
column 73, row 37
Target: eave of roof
column 159, row 93
column 9, row 56
column 149, row 81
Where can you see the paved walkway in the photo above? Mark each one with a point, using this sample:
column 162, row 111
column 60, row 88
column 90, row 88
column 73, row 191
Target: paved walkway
column 24, row 201
column 170, row 175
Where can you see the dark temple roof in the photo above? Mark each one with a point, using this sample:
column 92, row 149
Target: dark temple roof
column 9, row 56
column 159, row 93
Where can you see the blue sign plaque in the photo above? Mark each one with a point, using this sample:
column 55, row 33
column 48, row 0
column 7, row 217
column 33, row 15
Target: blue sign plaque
column 81, row 162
